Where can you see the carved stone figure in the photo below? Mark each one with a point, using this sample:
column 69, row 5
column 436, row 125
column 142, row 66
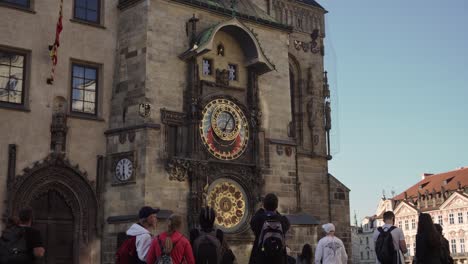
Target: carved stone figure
column 177, row 169
column 310, row 113
column 327, row 116
column 310, row 81
column 222, row 77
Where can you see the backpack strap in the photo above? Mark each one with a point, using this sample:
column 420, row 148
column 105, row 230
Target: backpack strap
column 380, row 230
column 391, row 228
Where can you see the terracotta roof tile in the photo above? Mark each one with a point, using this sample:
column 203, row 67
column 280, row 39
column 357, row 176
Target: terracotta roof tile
column 449, row 180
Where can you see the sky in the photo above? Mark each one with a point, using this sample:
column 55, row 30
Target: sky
column 398, row 72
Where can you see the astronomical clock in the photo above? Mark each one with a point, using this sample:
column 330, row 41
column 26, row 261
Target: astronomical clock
column 225, row 133
column 224, row 129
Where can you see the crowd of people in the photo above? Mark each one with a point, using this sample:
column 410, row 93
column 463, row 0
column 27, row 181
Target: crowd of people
column 22, row 244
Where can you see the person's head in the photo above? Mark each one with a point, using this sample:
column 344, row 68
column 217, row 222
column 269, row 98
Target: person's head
column 174, row 223
column 329, row 229
column 148, row 216
column 207, row 217
column 389, row 217
column 270, row 202
column 306, row 252
column 426, row 227
column 425, row 223
column 438, row 228
column 25, row 216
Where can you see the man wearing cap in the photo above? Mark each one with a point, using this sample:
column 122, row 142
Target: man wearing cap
column 330, row 249
column 140, row 230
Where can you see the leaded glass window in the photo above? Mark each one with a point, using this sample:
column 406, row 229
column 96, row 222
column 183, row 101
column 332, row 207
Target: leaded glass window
column 84, row 89
column 12, row 72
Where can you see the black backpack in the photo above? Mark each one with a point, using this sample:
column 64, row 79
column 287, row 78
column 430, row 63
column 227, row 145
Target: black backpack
column 384, row 248
column 13, row 246
column 272, row 240
column 207, row 248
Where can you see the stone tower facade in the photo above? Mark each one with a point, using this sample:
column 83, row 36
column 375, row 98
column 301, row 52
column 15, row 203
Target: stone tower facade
column 220, row 105
column 175, row 104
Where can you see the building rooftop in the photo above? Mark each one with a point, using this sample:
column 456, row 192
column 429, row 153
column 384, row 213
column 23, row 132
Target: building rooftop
column 449, row 181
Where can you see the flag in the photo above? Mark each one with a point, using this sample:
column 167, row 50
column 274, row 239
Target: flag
column 54, row 48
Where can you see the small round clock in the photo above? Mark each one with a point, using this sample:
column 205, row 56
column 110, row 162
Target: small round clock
column 123, row 169
column 224, row 129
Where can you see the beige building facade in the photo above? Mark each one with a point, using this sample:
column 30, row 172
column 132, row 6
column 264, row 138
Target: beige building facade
column 444, row 197
column 174, row 104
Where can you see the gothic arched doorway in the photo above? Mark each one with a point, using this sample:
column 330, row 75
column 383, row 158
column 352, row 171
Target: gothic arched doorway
column 54, row 218
column 65, row 208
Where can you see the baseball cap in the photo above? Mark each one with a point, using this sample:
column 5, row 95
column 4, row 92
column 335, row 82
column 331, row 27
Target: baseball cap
column 146, row 211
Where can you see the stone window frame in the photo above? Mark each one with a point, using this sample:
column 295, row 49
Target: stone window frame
column 462, row 245
column 24, row 106
column 99, row 12
column 98, row 97
column 460, row 218
column 413, row 223
column 451, row 219
column 406, row 224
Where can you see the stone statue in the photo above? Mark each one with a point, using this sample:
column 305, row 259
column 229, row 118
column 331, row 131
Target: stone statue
column 310, row 113
column 327, row 116
column 310, row 81
column 222, row 77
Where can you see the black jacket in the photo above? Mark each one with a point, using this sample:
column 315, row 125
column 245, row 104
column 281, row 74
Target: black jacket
column 256, row 225
column 425, row 252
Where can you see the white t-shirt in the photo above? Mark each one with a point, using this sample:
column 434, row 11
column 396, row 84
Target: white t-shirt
column 397, row 236
column 330, row 250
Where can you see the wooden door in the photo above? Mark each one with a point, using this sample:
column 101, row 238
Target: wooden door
column 54, row 219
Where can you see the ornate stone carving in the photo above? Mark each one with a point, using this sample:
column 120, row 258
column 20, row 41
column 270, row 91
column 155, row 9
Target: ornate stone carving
column 56, row 173
column 222, row 77
column 326, row 87
column 172, row 117
column 310, row 81
column 122, row 137
column 144, row 110
column 58, row 132
column 327, row 116
column 178, row 169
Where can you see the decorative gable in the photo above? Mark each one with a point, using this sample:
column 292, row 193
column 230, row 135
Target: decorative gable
column 456, row 200
column 404, row 209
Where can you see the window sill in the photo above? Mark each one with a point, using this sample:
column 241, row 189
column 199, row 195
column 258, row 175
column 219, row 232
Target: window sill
column 17, row 7
column 86, row 117
column 74, row 20
column 14, row 107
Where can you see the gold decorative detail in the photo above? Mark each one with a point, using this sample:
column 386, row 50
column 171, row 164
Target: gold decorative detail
column 228, row 199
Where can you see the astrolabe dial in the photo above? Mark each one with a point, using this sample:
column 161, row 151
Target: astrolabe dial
column 224, row 129
column 228, row 199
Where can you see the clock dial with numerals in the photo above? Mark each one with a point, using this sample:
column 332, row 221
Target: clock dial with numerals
column 224, row 129
column 123, row 169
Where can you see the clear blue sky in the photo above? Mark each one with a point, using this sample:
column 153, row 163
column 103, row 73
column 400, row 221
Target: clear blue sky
column 400, row 70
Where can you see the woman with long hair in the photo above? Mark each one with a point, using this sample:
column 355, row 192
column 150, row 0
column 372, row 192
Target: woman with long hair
column 171, row 244
column 306, row 255
column 428, row 241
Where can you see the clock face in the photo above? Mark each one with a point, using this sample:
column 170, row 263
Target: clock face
column 124, row 169
column 224, row 129
column 229, row 201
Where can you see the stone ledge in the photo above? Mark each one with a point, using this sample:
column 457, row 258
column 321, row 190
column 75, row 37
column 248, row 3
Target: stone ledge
column 129, row 128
